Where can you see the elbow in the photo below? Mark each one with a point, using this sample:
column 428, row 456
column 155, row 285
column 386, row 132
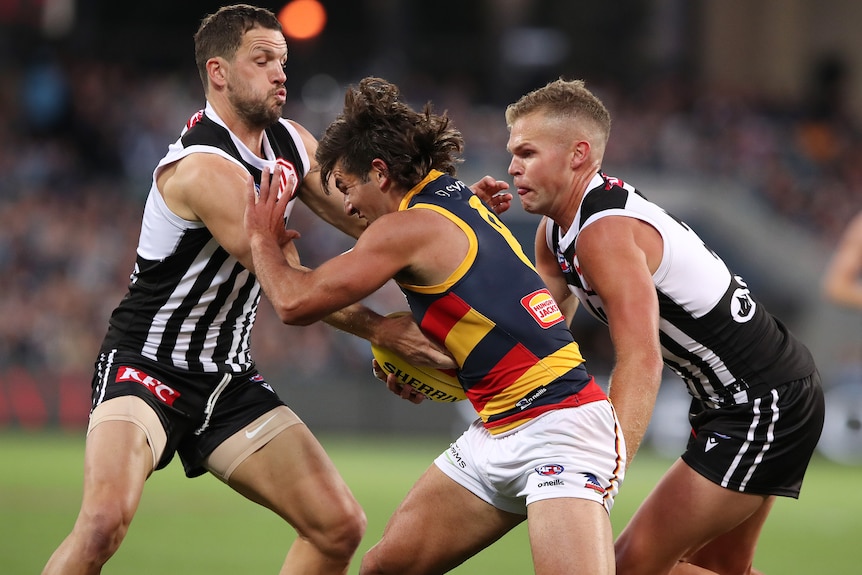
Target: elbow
column 651, row 369
column 294, row 315
column 655, row 368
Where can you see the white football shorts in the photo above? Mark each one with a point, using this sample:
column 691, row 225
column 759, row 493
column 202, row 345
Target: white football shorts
column 573, row 452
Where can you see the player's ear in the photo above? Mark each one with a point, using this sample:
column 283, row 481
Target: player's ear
column 216, row 72
column 580, row 153
column 380, row 173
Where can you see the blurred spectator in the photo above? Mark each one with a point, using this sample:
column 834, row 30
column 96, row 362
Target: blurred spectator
column 842, row 283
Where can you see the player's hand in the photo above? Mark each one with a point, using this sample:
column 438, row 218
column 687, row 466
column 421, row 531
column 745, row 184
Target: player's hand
column 395, row 386
column 265, row 208
column 490, row 191
column 401, row 334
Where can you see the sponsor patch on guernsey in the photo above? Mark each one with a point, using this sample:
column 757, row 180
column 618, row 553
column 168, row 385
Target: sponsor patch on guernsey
column 543, row 308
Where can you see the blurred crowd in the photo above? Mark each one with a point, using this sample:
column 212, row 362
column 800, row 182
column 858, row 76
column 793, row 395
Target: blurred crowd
column 79, row 140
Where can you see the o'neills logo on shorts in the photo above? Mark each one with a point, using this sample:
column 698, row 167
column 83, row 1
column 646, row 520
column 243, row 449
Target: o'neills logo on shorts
column 543, row 308
column 164, row 393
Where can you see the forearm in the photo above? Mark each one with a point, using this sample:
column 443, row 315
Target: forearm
column 397, row 332
column 281, row 282
column 633, row 391
column 357, row 320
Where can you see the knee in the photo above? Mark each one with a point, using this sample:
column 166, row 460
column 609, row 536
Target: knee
column 101, row 532
column 630, row 555
column 351, row 532
column 340, row 540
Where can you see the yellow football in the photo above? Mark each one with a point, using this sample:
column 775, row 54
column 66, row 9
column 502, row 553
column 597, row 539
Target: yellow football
column 435, row 384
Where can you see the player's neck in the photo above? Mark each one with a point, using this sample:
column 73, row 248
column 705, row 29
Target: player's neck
column 251, row 136
column 568, row 209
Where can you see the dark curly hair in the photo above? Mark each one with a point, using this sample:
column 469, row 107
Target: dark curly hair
column 375, row 123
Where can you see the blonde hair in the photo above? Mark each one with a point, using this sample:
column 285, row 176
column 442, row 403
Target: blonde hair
column 566, row 100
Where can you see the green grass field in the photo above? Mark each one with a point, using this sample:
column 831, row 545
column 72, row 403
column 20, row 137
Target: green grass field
column 196, row 526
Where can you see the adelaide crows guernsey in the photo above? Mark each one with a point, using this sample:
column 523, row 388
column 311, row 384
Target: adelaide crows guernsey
column 516, row 356
column 190, row 304
column 714, row 333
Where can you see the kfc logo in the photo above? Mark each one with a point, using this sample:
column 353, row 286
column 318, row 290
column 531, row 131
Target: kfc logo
column 164, row 393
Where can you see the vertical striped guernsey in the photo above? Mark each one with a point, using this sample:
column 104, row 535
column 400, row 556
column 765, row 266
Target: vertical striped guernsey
column 190, row 304
column 516, row 356
column 714, row 334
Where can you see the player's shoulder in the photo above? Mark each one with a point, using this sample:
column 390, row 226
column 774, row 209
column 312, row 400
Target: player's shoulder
column 195, row 173
column 407, row 228
column 201, row 130
column 209, row 165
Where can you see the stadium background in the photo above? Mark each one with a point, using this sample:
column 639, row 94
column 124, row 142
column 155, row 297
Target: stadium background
column 741, row 116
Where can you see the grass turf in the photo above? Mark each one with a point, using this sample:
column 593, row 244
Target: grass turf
column 201, row 526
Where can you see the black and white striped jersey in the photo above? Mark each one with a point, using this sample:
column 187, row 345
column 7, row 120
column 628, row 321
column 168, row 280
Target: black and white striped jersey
column 714, row 333
column 190, row 304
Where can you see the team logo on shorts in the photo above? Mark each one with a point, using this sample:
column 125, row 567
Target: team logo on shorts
column 258, row 378
column 550, row 469
column 592, row 482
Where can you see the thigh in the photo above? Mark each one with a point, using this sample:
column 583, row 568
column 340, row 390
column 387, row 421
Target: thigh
column 136, row 411
column 733, row 552
column 437, row 526
column 293, row 476
column 683, row 513
column 570, row 535
column 255, row 435
column 123, row 440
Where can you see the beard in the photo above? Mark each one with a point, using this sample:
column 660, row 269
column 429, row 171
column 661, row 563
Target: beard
column 255, row 111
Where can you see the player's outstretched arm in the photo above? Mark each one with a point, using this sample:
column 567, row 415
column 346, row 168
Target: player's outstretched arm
column 330, row 293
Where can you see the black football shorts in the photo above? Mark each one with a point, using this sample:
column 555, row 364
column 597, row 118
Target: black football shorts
column 198, row 410
column 761, row 447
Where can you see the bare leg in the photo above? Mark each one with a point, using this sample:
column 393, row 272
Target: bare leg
column 438, row 526
column 571, row 536
column 687, row 512
column 716, row 556
column 117, row 462
column 293, row 476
